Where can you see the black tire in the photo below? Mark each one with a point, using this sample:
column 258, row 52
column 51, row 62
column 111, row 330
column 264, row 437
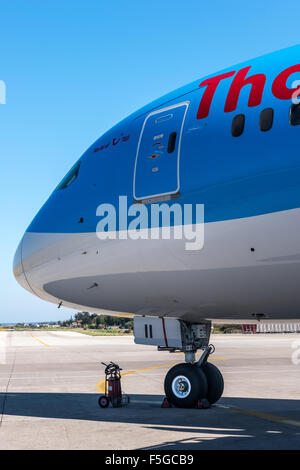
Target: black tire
column 193, row 381
column 215, row 382
column 103, row 401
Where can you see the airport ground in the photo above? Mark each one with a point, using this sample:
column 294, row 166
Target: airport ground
column 50, row 383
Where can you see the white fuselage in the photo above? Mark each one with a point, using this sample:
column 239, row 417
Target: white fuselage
column 247, row 266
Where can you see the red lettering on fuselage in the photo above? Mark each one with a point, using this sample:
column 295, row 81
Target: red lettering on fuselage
column 279, row 88
column 211, row 86
column 257, row 82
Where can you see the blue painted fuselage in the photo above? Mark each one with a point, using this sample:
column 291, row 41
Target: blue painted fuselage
column 256, row 173
column 249, row 185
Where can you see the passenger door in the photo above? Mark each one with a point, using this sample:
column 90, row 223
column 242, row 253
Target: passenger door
column 156, row 171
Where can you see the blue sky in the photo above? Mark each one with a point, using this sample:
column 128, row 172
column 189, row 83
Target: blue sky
column 75, row 68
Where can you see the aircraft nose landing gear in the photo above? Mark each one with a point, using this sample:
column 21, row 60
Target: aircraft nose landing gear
column 186, row 384
column 190, row 384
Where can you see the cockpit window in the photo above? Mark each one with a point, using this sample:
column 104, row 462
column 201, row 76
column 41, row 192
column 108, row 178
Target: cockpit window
column 70, row 177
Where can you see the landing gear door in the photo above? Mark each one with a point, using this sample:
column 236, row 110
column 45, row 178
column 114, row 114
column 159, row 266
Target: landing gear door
column 156, row 171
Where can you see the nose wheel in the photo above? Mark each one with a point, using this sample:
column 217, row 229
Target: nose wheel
column 215, row 382
column 186, row 384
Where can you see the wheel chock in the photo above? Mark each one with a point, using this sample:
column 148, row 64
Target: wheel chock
column 166, row 403
column 203, row 404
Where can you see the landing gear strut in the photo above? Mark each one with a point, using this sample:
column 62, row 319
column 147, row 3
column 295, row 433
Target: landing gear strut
column 192, row 382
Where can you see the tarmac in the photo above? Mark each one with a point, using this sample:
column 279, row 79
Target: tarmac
column 50, row 383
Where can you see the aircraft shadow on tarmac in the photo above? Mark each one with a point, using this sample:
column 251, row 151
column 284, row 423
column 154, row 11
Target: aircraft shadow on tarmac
column 237, row 429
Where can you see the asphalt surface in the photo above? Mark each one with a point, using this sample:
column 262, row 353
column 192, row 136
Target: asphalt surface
column 50, row 382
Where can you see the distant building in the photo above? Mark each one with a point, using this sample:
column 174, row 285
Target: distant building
column 278, row 328
column 249, row 329
column 271, row 328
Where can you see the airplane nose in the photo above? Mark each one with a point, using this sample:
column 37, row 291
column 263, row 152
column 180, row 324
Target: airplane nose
column 18, row 269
